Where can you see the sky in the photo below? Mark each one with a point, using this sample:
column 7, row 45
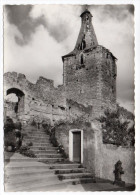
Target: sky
column 36, row 37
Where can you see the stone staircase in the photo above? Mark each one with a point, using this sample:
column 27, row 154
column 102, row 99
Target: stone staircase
column 48, row 171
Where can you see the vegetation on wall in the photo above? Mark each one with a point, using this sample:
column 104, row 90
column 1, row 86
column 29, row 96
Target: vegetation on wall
column 116, row 129
column 9, row 134
column 12, row 134
column 55, row 143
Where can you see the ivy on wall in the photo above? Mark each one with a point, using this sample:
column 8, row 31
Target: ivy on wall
column 116, row 128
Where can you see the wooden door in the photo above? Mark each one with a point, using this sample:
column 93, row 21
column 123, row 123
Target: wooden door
column 77, row 146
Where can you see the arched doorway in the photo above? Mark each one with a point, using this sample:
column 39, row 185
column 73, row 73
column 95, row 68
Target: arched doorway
column 18, row 103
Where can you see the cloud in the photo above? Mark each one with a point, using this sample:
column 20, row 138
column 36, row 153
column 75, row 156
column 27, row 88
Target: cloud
column 18, row 15
column 36, row 40
column 116, row 12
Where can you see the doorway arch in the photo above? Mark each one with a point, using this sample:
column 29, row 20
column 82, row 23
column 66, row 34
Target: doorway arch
column 19, row 105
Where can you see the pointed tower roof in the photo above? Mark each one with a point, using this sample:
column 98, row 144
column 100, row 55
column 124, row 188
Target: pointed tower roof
column 86, row 38
column 86, row 11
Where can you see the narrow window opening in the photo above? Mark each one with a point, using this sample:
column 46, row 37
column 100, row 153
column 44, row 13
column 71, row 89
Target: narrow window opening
column 82, row 60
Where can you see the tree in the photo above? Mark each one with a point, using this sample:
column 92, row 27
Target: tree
column 115, row 128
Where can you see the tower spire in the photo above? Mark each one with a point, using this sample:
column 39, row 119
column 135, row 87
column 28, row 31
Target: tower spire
column 87, row 37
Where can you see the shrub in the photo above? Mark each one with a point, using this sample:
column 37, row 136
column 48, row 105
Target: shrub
column 8, row 125
column 62, row 151
column 25, row 150
column 10, row 140
column 115, row 129
column 17, row 133
column 53, row 140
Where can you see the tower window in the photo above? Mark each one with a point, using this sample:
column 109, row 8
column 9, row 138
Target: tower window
column 83, row 43
column 82, row 60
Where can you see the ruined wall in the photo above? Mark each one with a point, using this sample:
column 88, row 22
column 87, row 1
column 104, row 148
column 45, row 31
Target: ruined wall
column 92, row 81
column 41, row 99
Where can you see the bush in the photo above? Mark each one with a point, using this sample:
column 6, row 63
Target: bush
column 115, row 129
column 61, row 150
column 53, row 140
column 10, row 140
column 25, row 150
column 8, row 125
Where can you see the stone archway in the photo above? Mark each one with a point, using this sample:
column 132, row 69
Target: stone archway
column 19, row 105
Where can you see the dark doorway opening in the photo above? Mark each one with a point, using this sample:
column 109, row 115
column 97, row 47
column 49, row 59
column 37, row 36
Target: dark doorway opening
column 77, row 146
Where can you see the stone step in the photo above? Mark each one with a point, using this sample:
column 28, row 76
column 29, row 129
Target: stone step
column 75, row 175
column 42, row 144
column 49, row 155
column 39, row 165
column 80, row 180
column 37, row 139
column 46, row 160
column 38, row 142
column 39, row 136
column 53, row 151
column 36, row 133
column 41, row 147
column 66, row 171
column 51, row 160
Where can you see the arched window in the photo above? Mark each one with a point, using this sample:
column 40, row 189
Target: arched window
column 82, row 59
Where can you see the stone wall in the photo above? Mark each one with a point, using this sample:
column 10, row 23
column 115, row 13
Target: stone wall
column 106, row 156
column 75, row 110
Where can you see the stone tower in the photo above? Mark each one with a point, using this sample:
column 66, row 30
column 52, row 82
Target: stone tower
column 89, row 71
